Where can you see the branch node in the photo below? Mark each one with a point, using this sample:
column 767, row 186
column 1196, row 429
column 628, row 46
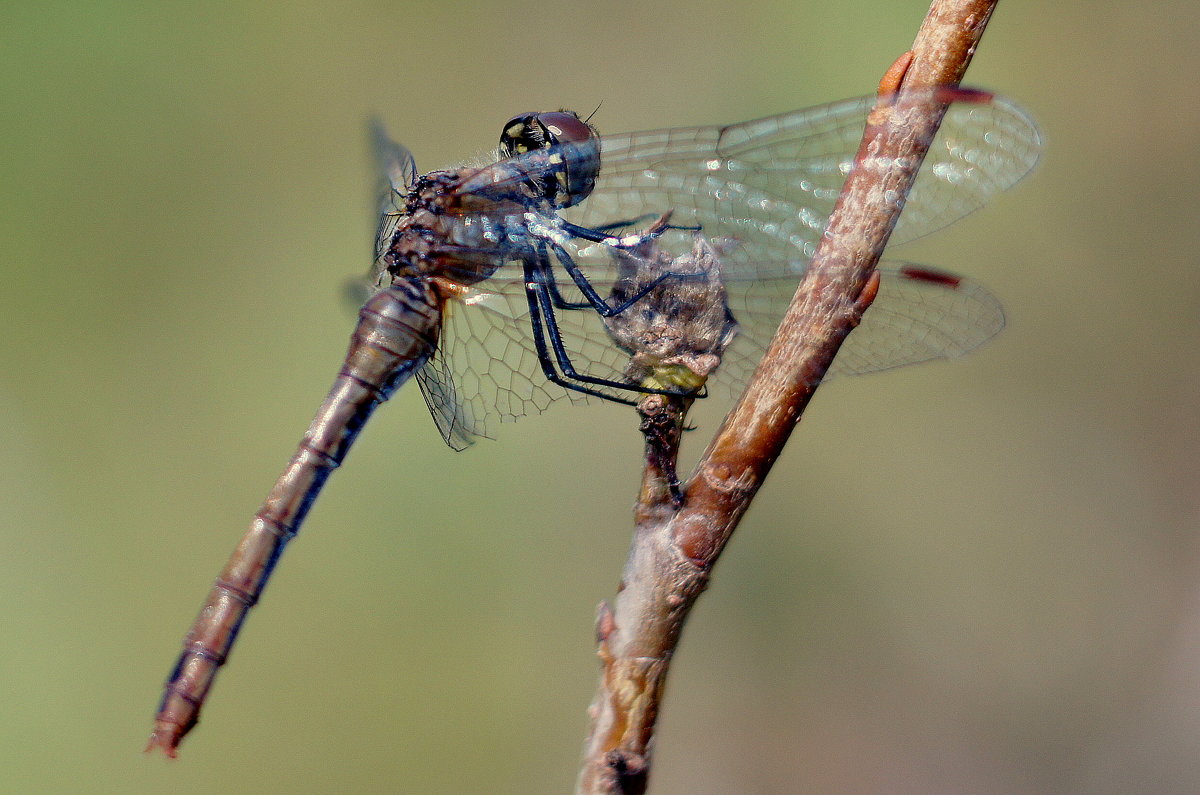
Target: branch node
column 894, row 76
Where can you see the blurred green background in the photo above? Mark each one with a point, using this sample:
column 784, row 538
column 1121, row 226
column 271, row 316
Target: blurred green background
column 978, row 576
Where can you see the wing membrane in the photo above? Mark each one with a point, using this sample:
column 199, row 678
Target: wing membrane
column 764, row 190
column 772, row 182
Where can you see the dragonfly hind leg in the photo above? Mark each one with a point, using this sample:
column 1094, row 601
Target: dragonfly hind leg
column 553, row 356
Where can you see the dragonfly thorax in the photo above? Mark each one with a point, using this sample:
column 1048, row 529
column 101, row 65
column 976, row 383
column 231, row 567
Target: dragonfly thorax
column 463, row 237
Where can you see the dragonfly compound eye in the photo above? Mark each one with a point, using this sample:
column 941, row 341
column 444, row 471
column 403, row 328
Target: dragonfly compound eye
column 568, row 172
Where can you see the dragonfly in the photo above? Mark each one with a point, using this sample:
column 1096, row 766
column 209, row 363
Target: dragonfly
column 493, row 285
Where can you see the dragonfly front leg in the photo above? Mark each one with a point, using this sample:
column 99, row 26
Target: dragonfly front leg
column 592, row 298
column 601, row 234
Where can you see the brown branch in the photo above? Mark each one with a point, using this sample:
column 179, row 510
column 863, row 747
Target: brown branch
column 675, row 547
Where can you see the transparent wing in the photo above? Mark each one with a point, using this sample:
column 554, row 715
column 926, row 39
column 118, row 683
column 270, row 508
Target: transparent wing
column 772, row 183
column 446, row 405
column 486, row 368
column 920, row 315
column 397, row 171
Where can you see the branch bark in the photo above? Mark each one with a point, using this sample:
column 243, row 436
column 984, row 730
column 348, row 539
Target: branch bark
column 676, row 544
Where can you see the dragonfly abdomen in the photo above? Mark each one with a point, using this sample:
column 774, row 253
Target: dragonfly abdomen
column 396, row 333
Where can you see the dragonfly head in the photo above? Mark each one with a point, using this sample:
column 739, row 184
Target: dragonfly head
column 573, row 154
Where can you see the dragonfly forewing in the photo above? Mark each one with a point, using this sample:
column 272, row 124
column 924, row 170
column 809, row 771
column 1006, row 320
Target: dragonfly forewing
column 772, row 183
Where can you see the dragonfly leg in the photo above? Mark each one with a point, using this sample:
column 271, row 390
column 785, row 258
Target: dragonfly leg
column 605, row 228
column 539, row 275
column 540, row 306
column 593, row 299
column 599, row 234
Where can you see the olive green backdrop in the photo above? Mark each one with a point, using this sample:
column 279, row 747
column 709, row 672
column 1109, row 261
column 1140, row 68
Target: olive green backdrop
column 977, row 576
